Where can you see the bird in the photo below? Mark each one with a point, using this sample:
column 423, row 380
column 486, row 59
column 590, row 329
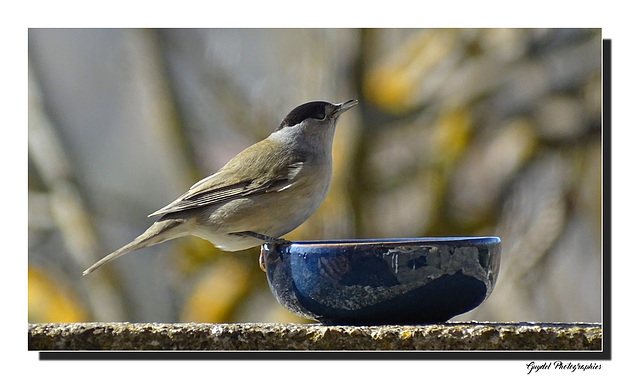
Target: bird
column 264, row 192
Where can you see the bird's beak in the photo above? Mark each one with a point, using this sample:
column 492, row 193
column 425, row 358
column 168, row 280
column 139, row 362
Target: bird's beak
column 342, row 107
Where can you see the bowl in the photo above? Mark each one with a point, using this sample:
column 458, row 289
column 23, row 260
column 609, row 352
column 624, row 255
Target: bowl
column 382, row 281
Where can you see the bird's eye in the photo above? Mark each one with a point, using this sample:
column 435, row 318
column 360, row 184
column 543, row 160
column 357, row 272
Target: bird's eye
column 317, row 112
column 320, row 115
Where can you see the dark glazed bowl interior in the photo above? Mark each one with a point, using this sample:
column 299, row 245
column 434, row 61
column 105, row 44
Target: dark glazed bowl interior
column 382, row 281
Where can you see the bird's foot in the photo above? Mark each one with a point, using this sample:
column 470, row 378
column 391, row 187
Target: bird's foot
column 264, row 238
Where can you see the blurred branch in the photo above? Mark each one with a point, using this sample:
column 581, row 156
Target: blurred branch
column 357, row 187
column 230, row 96
column 162, row 105
column 66, row 205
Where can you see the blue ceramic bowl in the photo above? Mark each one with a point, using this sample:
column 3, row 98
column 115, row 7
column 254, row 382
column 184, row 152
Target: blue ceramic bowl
column 382, row 281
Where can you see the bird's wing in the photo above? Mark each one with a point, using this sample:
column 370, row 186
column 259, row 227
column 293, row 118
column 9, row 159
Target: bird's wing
column 236, row 181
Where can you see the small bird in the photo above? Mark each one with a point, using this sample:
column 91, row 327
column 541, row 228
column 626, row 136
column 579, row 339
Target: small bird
column 264, row 192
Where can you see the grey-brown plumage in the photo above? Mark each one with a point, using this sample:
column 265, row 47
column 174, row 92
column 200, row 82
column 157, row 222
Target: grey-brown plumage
column 262, row 193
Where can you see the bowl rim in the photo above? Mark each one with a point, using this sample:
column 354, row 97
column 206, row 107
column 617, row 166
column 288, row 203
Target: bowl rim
column 388, row 241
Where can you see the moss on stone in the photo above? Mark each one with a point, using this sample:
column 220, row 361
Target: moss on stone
column 266, row 336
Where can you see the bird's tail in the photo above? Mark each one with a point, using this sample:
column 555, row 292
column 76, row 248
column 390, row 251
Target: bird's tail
column 159, row 232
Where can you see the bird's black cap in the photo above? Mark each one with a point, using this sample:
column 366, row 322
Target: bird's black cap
column 312, row 109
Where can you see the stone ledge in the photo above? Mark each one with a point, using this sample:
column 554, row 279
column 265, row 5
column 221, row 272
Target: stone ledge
column 267, row 336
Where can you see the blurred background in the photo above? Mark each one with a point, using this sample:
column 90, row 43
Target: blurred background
column 459, row 132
